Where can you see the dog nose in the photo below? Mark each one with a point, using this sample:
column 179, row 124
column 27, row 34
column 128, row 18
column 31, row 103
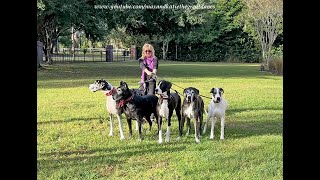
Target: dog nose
column 218, row 98
column 156, row 90
column 189, row 97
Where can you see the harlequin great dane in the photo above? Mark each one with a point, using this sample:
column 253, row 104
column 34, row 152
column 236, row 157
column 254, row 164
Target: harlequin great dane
column 109, row 90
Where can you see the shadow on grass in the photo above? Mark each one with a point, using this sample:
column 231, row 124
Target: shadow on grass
column 230, row 112
column 71, row 120
column 107, row 156
column 243, row 129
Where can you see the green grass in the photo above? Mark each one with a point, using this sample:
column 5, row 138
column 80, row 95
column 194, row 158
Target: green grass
column 73, row 125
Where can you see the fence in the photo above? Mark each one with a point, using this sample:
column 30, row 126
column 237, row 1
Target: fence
column 91, row 54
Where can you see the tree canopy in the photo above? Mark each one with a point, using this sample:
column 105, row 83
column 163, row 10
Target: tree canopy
column 228, row 31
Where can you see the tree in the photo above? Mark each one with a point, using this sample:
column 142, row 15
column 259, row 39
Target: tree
column 61, row 17
column 266, row 17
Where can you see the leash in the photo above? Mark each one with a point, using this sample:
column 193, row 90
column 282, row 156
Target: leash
column 111, row 92
column 181, row 88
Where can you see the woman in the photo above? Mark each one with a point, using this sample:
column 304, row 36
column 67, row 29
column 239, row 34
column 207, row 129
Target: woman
column 149, row 66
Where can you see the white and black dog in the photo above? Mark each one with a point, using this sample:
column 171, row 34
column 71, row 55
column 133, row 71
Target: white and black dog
column 168, row 102
column 192, row 108
column 109, row 90
column 216, row 109
column 135, row 107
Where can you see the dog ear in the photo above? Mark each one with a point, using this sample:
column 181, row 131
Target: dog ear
column 197, row 91
column 169, row 86
column 122, row 83
column 212, row 90
column 221, row 90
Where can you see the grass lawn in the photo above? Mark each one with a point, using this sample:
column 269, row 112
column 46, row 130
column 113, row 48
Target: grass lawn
column 73, row 125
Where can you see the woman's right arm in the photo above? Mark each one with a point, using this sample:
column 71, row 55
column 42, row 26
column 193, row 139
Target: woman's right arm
column 141, row 64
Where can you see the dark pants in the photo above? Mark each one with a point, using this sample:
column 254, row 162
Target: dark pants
column 150, row 87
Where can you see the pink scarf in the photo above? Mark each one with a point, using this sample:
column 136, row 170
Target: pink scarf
column 149, row 62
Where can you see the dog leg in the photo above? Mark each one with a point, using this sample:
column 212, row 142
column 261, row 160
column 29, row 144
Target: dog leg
column 205, row 126
column 196, row 129
column 213, row 121
column 168, row 126
column 129, row 121
column 188, row 126
column 222, row 128
column 168, row 134
column 140, row 128
column 137, row 126
column 111, row 126
column 120, row 127
column 150, row 125
column 160, row 129
column 181, row 124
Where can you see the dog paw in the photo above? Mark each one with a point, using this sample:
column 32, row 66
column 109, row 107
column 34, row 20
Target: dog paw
column 160, row 141
column 197, row 140
column 167, row 139
column 110, row 134
column 122, row 138
column 178, row 138
column 204, row 130
column 187, row 134
column 211, row 137
column 221, row 138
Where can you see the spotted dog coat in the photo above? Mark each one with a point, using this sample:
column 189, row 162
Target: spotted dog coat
column 108, row 89
column 192, row 108
column 135, row 107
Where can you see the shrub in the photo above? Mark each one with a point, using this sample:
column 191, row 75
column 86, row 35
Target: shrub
column 276, row 66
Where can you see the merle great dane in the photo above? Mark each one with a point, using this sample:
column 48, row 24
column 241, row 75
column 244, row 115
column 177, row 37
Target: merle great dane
column 135, row 107
column 192, row 108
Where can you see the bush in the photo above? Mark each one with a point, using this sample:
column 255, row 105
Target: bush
column 277, row 52
column 276, row 66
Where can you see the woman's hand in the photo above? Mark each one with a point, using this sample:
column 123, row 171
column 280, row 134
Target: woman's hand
column 148, row 72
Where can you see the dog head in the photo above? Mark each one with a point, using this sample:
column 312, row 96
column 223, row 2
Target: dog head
column 100, row 85
column 190, row 94
column 123, row 92
column 163, row 87
column 216, row 94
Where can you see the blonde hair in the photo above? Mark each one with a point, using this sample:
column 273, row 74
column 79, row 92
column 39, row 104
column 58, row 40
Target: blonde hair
column 145, row 47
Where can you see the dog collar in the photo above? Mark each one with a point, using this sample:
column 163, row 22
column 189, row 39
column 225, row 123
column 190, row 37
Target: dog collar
column 162, row 97
column 123, row 102
column 111, row 92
